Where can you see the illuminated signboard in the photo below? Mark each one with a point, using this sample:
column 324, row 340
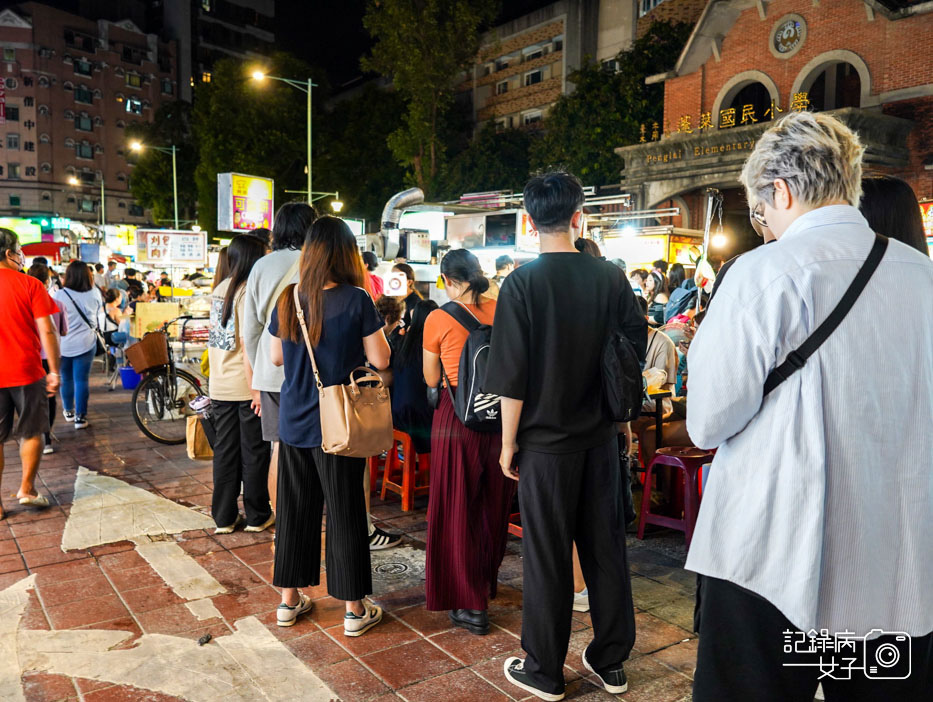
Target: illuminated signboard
column 168, row 247
column 926, row 212
column 244, row 202
column 526, row 238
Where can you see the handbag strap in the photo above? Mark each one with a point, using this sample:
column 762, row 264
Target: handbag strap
column 797, row 358
column 79, row 311
column 304, row 332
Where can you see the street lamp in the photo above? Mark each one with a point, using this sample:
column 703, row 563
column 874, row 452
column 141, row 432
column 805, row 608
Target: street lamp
column 72, row 180
column 305, row 87
column 336, row 205
column 138, row 146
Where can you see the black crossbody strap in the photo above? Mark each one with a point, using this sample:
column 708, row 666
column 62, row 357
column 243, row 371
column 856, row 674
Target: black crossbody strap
column 797, row 358
column 79, row 311
column 462, row 315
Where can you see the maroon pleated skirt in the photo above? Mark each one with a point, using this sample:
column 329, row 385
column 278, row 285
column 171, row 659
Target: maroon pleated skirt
column 468, row 514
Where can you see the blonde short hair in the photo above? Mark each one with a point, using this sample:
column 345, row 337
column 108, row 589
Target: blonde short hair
column 818, row 157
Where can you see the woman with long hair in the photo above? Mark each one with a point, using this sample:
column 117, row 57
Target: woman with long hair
column 222, row 271
column 241, row 457
column 344, row 331
column 470, row 498
column 892, row 209
column 82, row 304
column 412, row 296
column 411, row 412
column 656, row 295
column 40, row 272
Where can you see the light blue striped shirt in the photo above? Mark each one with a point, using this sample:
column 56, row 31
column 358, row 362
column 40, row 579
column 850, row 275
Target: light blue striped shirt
column 820, row 498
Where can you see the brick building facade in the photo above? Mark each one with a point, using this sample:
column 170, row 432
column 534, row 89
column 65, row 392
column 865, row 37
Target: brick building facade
column 72, row 86
column 747, row 62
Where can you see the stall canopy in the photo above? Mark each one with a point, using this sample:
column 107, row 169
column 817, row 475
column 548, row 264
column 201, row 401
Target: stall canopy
column 52, row 250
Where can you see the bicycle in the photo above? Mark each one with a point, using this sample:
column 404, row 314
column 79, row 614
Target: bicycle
column 160, row 401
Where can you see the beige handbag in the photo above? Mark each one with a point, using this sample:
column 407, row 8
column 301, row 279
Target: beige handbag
column 355, row 421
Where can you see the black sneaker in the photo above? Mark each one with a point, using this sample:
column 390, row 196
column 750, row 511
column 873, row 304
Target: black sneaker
column 515, row 674
column 613, row 679
column 380, row 540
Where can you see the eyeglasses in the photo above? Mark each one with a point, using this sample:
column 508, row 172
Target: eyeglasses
column 756, row 215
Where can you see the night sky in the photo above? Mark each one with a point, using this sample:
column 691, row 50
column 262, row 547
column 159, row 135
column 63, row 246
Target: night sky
column 331, row 35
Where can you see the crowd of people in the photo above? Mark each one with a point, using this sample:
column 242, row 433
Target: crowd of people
column 794, row 534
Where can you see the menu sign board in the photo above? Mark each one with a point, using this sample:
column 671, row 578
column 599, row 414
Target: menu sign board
column 169, row 247
column 244, row 202
column 526, row 238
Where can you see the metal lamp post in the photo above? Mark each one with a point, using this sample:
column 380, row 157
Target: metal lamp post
column 305, row 87
column 139, row 146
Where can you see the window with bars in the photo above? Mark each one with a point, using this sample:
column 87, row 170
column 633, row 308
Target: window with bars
column 83, row 123
column 84, row 95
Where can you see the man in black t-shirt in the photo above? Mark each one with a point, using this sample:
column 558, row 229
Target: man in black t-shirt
column 552, row 319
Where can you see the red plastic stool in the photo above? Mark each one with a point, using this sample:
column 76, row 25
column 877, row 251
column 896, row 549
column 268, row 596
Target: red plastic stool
column 415, row 469
column 689, row 460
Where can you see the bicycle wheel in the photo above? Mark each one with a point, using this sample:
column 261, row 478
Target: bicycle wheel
column 160, row 408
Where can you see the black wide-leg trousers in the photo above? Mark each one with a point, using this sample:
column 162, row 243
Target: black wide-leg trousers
column 309, row 479
column 742, row 656
column 566, row 499
column 240, row 457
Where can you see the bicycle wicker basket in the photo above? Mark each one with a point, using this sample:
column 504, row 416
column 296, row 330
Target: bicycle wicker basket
column 148, row 353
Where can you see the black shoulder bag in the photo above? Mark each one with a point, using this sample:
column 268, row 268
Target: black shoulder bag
column 623, row 384
column 797, row 358
column 101, row 347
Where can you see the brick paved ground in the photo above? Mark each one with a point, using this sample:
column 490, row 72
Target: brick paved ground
column 413, row 655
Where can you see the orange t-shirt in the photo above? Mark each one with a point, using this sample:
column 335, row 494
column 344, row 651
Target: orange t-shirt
column 445, row 336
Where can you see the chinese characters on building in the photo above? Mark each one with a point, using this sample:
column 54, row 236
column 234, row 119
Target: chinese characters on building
column 727, row 118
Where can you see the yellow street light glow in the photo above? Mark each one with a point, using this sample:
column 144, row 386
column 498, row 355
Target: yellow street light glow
column 258, row 75
column 718, row 241
column 73, row 181
column 336, row 205
column 136, row 146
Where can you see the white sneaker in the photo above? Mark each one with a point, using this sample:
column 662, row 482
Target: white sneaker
column 262, row 527
column 230, row 528
column 80, row 422
column 287, row 616
column 47, row 449
column 354, row 625
column 581, row 601
column 69, row 415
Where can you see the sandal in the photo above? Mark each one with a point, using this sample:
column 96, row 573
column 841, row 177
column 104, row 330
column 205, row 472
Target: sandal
column 37, row 501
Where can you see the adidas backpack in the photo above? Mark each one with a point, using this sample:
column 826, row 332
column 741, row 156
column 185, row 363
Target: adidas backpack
column 476, row 408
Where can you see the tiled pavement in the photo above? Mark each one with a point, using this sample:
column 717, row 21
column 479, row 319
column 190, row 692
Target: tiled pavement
column 413, row 655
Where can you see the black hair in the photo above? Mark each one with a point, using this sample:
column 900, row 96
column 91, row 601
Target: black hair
column 292, row 223
column 661, row 265
column 76, row 277
column 40, row 272
column 551, row 200
column 98, row 266
column 676, row 276
column 111, row 295
column 461, row 266
column 370, row 261
column 264, row 235
column 41, row 259
column 892, row 209
column 410, row 349
column 111, row 263
column 242, row 254
column 134, row 291
column 504, row 261
column 8, row 242
column 165, row 273
column 406, row 269
column 587, row 246
column 640, row 272
column 129, row 271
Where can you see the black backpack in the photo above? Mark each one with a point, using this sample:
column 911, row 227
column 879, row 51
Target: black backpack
column 623, row 383
column 476, row 408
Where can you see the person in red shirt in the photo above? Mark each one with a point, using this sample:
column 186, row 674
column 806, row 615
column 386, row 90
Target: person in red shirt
column 26, row 328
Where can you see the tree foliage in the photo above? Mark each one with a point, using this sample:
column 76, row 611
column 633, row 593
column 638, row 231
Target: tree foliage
column 256, row 128
column 606, row 109
column 493, row 161
column 352, row 155
column 151, row 181
column 422, row 45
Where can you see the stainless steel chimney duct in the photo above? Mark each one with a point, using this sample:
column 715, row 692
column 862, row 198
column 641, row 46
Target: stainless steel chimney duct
column 391, row 215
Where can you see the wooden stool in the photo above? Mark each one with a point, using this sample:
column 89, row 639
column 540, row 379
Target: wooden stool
column 415, row 469
column 689, row 461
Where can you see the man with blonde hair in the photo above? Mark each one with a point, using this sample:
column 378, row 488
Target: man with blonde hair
column 817, row 511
